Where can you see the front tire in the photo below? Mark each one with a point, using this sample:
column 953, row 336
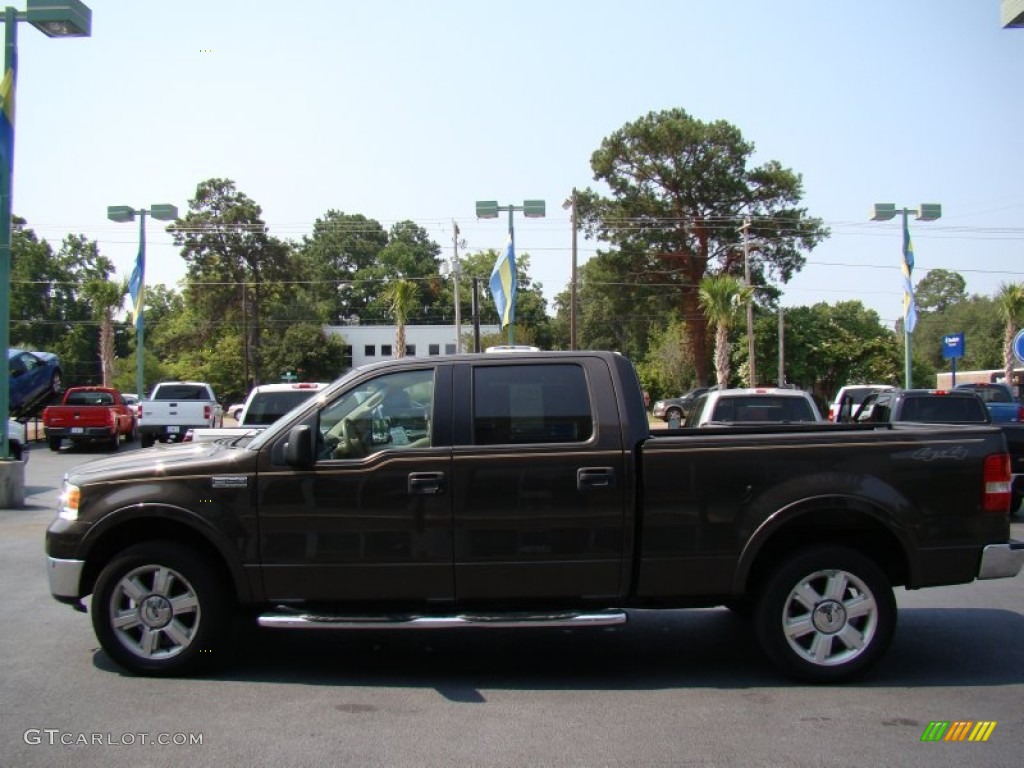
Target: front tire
column 826, row 615
column 158, row 609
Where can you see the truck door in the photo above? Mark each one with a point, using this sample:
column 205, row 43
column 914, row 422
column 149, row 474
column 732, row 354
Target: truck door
column 539, row 484
column 371, row 520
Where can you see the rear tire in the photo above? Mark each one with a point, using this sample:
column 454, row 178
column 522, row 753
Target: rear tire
column 54, row 443
column 826, row 615
column 159, row 609
column 147, row 441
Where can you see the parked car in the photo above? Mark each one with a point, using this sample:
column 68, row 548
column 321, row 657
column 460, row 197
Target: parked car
column 35, row 377
column 760, row 405
column 854, row 394
column 677, row 407
column 235, row 410
column 998, row 399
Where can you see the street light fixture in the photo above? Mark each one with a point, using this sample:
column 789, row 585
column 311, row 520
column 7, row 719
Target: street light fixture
column 927, row 212
column 54, row 18
column 120, row 214
column 532, row 209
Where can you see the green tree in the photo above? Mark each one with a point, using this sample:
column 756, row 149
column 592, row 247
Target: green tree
column 49, row 309
column 618, row 304
column 1010, row 301
column 340, row 247
column 827, row 346
column 938, row 290
column 720, row 298
column 680, row 190
column 667, row 369
column 231, row 263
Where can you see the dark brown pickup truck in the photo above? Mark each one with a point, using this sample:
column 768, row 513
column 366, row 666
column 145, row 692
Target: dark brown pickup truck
column 526, row 490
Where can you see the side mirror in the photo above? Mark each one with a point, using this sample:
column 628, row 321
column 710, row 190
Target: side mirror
column 299, row 451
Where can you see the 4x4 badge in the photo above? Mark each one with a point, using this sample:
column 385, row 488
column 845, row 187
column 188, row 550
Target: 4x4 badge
column 229, row 482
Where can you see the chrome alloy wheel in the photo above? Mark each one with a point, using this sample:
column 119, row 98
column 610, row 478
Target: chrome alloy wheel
column 830, row 617
column 154, row 612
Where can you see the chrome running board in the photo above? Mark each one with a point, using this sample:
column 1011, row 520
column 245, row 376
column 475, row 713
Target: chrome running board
column 288, row 620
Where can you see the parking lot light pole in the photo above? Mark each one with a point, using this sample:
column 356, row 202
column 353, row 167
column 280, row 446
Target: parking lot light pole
column 926, row 212
column 122, row 213
column 532, row 209
column 54, row 18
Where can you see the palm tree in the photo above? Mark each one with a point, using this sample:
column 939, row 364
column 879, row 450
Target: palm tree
column 720, row 297
column 1010, row 301
column 105, row 296
column 401, row 296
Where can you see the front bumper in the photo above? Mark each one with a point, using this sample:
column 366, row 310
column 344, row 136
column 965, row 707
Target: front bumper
column 65, row 578
column 1001, row 561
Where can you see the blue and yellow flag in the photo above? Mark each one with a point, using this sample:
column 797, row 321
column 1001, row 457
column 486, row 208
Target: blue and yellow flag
column 503, row 284
column 909, row 309
column 7, row 87
column 137, row 287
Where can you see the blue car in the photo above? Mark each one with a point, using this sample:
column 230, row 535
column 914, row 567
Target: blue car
column 35, row 376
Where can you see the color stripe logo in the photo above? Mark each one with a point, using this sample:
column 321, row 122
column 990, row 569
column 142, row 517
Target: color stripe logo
column 958, row 730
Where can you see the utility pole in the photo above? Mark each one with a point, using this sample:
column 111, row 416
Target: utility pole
column 571, row 203
column 457, row 271
column 752, row 375
column 476, row 314
column 782, row 346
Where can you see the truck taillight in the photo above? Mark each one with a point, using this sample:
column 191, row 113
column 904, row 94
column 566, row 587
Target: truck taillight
column 1020, row 413
column 207, row 412
column 996, row 494
column 138, row 411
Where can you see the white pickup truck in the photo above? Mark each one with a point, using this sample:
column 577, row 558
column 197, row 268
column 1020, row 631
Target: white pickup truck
column 265, row 405
column 175, row 407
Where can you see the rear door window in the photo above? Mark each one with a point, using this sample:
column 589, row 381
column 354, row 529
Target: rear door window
column 547, row 403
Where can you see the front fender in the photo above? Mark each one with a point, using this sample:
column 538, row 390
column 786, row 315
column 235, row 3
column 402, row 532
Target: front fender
column 146, row 521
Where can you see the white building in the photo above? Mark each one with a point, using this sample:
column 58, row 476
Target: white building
column 370, row 343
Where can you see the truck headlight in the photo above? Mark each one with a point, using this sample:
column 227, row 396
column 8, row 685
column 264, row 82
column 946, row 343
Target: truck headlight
column 67, row 504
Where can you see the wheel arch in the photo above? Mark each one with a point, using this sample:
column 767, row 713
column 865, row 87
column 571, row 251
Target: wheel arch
column 144, row 523
column 841, row 520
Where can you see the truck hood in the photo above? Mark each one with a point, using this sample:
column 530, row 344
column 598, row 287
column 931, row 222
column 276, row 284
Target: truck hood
column 166, row 461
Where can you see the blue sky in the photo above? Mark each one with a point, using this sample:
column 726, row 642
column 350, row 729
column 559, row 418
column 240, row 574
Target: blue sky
column 414, row 110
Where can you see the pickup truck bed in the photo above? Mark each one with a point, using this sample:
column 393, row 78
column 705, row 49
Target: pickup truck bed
column 522, row 490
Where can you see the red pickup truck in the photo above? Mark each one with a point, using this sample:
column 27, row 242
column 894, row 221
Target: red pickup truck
column 89, row 415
